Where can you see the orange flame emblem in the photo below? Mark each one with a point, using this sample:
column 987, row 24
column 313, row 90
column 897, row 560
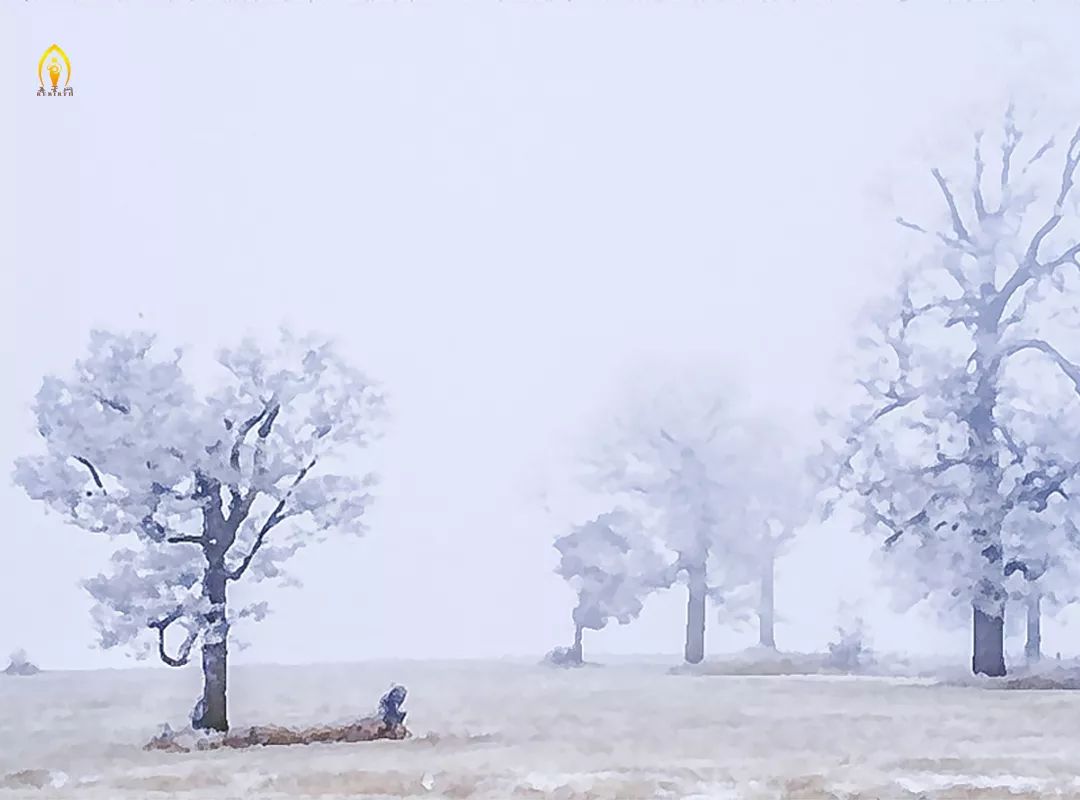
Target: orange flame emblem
column 58, row 65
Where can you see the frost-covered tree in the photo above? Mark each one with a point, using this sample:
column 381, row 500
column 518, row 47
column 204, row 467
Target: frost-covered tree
column 780, row 494
column 612, row 565
column 962, row 444
column 199, row 489
column 681, row 455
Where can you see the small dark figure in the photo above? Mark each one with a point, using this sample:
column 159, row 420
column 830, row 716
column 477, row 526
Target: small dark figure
column 390, row 706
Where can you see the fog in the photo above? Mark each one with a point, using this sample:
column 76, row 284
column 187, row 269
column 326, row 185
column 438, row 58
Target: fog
column 503, row 212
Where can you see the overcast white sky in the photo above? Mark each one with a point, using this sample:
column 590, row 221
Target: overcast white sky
column 498, row 209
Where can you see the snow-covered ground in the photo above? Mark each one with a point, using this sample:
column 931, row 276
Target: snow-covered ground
column 503, row 730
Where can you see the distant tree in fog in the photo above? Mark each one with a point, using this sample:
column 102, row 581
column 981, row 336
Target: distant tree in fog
column 612, row 565
column 199, row 489
column 718, row 489
column 780, row 489
column 1043, row 570
column 962, row 446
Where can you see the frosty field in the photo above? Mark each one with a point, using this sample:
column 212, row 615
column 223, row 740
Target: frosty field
column 510, row 730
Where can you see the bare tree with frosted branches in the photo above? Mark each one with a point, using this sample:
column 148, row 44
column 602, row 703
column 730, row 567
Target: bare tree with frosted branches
column 952, row 449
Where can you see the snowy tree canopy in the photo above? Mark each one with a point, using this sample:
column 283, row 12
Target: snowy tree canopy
column 199, row 488
column 722, row 487
column 962, row 447
column 613, row 565
column 676, row 456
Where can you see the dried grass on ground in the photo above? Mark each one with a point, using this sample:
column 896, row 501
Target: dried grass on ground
column 497, row 730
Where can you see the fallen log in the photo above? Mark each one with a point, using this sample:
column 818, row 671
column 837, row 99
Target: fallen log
column 388, row 724
column 364, row 730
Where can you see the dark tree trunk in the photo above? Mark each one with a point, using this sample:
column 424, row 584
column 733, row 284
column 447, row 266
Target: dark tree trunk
column 988, row 627
column 767, row 605
column 213, row 709
column 575, row 651
column 1033, row 645
column 988, row 657
column 695, row 615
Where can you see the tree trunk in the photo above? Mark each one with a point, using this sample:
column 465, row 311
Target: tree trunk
column 988, row 628
column 576, row 650
column 988, row 657
column 212, row 711
column 767, row 605
column 695, row 615
column 1033, row 645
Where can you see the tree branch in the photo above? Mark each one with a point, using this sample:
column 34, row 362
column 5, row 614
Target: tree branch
column 264, row 429
column 185, row 539
column 956, row 244
column 895, row 405
column 93, row 472
column 944, row 464
column 957, row 223
column 276, row 516
column 184, row 654
column 1038, row 486
column 977, row 193
column 240, row 502
column 1029, row 265
column 1071, row 370
column 1008, row 147
column 1066, row 257
column 115, row 405
column 1023, row 274
column 1072, row 159
column 898, row 530
column 241, row 434
column 264, row 433
column 1046, row 147
column 911, row 225
column 1010, row 443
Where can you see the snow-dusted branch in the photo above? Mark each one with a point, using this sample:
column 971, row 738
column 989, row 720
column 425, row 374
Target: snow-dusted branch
column 1071, row 369
column 276, row 516
column 241, row 435
column 1037, row 487
column 952, row 269
column 977, row 192
column 93, row 472
column 954, row 213
column 898, row 529
column 1030, row 267
column 185, row 539
column 184, row 653
column 1072, row 160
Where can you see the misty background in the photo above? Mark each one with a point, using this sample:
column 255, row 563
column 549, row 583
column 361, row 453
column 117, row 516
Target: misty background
column 506, row 213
